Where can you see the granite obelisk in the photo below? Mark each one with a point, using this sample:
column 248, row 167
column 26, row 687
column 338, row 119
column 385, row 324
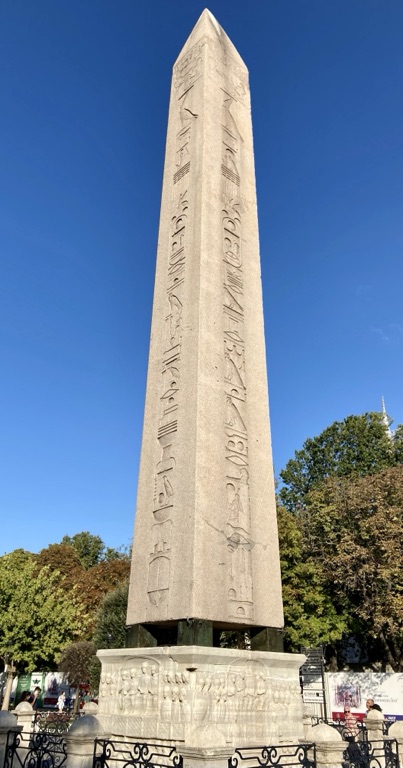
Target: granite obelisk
column 205, row 545
column 205, row 553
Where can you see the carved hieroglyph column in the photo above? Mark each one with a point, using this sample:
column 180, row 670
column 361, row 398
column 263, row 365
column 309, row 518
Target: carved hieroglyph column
column 206, row 544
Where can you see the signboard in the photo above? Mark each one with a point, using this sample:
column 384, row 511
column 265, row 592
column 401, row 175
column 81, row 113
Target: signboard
column 354, row 688
column 312, row 676
column 29, row 683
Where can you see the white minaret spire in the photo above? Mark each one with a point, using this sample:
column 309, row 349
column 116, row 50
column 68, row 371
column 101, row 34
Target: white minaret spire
column 385, row 418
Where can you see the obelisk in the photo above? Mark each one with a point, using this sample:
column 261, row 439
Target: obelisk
column 205, row 552
column 206, row 544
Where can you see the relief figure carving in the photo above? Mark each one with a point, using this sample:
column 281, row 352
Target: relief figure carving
column 164, row 490
column 158, row 580
column 175, row 318
column 238, row 505
column 228, row 119
column 241, row 589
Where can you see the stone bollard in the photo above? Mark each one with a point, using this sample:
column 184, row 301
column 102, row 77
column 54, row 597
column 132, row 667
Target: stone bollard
column 374, row 725
column 80, row 741
column 329, row 745
column 205, row 747
column 396, row 732
column 8, row 722
column 25, row 715
column 205, row 757
column 91, row 708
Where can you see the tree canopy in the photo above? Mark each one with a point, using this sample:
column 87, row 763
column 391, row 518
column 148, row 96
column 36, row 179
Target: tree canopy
column 75, row 663
column 91, row 549
column 37, row 618
column 310, row 617
column 356, row 535
column 50, row 600
column 341, row 538
column 358, row 445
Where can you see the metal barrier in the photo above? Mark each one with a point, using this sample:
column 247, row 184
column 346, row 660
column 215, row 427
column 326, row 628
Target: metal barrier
column 109, row 752
column 34, row 750
column 340, row 725
column 53, row 722
column 372, row 754
column 282, row 756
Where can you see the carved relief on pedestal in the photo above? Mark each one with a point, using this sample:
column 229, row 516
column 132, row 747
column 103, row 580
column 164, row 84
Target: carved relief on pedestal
column 138, row 689
column 245, row 697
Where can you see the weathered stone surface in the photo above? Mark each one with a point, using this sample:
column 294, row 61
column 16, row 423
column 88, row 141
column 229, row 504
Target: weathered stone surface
column 166, row 693
column 206, row 542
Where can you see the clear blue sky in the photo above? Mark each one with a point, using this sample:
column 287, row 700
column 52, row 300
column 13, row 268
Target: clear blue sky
column 84, row 96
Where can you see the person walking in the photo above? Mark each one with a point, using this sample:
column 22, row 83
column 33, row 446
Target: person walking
column 61, row 702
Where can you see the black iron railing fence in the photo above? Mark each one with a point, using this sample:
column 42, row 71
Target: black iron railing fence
column 382, row 753
column 284, row 756
column 53, row 722
column 34, row 750
column 344, row 729
column 108, row 753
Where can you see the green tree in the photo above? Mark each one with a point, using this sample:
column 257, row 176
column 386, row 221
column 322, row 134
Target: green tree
column 358, row 445
column 89, row 584
column 89, row 548
column 310, row 617
column 110, row 626
column 37, row 618
column 94, row 584
column 64, row 559
column 92, row 550
column 356, row 537
column 398, row 443
column 75, row 663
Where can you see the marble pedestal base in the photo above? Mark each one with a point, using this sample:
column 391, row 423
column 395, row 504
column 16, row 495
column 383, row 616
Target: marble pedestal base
column 193, row 694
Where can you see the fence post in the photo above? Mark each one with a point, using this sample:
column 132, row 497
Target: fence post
column 205, row 747
column 25, row 716
column 329, row 745
column 205, row 757
column 80, row 741
column 396, row 732
column 8, row 722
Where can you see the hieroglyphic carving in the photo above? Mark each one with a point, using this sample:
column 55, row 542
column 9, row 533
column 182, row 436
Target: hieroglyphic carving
column 235, row 80
column 159, row 562
column 188, row 69
column 187, row 116
column 238, row 528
